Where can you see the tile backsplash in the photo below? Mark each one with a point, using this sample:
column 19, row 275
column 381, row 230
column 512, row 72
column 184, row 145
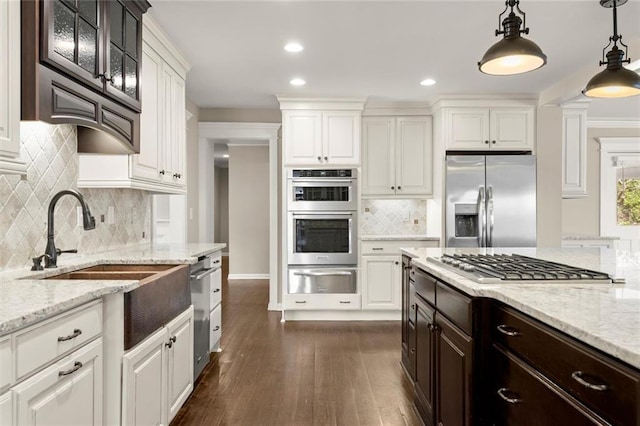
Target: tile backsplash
column 52, row 165
column 393, row 217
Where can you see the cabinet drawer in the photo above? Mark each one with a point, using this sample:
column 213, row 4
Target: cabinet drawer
column 520, row 397
column 215, row 297
column 50, row 339
column 455, row 306
column 603, row 384
column 322, row 301
column 425, row 285
column 393, row 247
column 6, row 362
column 215, row 326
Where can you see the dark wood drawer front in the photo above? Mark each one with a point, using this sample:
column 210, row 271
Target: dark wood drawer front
column 520, row 397
column 412, row 303
column 606, row 386
column 454, row 306
column 425, row 285
column 65, row 103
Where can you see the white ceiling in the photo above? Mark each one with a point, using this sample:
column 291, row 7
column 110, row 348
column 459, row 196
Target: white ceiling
column 381, row 49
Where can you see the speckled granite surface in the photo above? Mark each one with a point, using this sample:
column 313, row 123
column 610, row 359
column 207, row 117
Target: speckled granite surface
column 26, row 298
column 397, row 237
column 606, row 316
column 587, row 237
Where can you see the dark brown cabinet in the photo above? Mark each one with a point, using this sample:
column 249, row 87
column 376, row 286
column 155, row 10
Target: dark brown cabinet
column 425, row 360
column 408, row 325
column 81, row 65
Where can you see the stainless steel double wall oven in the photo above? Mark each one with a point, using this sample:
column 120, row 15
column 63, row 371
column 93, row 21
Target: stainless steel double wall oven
column 322, row 230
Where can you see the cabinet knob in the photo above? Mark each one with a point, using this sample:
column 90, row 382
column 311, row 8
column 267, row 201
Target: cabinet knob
column 399, row 187
column 319, row 158
column 216, row 290
column 493, row 142
column 413, row 307
column 393, row 187
column 326, row 158
column 162, row 172
column 487, row 142
column 413, row 351
column 216, row 328
column 396, row 262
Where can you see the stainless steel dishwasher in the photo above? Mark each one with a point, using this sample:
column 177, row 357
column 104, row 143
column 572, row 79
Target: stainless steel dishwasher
column 201, row 279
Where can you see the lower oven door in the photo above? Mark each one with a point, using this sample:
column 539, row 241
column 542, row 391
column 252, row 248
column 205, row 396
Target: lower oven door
column 322, row 280
column 322, row 238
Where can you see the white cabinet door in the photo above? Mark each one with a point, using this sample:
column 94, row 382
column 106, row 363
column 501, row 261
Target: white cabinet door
column 179, row 361
column 6, row 409
column 6, row 362
column 302, row 137
column 378, row 156
column 381, row 282
column 144, row 388
column 413, row 156
column 467, row 128
column 341, row 137
column 215, row 328
column 10, row 88
column 67, row 393
column 574, row 152
column 146, row 165
column 512, row 128
column 179, row 130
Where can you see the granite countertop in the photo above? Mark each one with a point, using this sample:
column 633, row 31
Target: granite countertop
column 397, row 237
column 587, row 237
column 25, row 297
column 605, row 316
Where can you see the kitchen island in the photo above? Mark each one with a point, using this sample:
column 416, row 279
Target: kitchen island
column 121, row 350
column 572, row 349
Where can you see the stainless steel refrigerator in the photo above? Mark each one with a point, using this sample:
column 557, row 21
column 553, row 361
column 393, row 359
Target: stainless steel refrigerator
column 490, row 201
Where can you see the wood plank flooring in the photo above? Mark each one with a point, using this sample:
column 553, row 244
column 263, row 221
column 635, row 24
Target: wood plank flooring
column 298, row 373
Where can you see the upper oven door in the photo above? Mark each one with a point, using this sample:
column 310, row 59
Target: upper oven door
column 314, row 194
column 325, row 238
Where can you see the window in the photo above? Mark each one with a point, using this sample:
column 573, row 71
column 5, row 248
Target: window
column 628, row 196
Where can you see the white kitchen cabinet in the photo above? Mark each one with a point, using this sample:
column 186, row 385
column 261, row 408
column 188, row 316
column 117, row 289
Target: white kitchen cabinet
column 6, row 362
column 215, row 303
column 321, row 137
column 381, row 264
column 10, row 161
column 496, row 129
column 158, row 374
column 321, row 132
column 381, row 282
column 67, row 392
column 574, row 150
column 6, row 408
column 160, row 165
column 322, row 302
column 397, row 156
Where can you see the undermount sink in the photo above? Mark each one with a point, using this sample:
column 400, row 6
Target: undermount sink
column 163, row 293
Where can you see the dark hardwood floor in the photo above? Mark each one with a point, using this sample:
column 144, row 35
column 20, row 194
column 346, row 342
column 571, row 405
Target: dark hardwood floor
column 298, row 373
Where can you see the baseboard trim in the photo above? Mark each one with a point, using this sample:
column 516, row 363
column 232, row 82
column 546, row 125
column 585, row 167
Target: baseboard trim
column 274, row 307
column 342, row 315
column 248, row 277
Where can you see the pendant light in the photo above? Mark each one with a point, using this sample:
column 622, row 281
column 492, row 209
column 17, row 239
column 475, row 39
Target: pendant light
column 615, row 81
column 513, row 54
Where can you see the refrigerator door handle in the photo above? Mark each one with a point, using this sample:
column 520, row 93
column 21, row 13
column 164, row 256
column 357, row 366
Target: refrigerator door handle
column 490, row 214
column 482, row 232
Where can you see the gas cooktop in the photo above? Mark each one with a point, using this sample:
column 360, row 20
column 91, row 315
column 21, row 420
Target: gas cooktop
column 516, row 268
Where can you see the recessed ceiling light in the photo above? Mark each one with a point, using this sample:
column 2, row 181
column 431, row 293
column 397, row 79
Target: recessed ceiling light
column 428, row 82
column 293, row 47
column 225, row 155
column 298, row 82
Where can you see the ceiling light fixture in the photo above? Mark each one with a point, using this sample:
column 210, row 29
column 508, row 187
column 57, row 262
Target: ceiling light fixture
column 615, row 81
column 293, row 47
column 297, row 82
column 513, row 54
column 225, row 155
column 428, row 82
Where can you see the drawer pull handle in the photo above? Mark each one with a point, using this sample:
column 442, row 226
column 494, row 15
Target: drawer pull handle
column 76, row 333
column 301, row 301
column 413, row 307
column 76, row 366
column 510, row 399
column 345, row 301
column 578, row 377
column 508, row 331
column 377, row 248
column 216, row 290
column 216, row 328
column 413, row 351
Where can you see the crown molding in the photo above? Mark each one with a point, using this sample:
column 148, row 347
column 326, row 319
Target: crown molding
column 609, row 123
column 317, row 103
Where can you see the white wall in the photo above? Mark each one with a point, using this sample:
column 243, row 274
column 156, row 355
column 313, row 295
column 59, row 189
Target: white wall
column 248, row 210
column 549, row 176
column 192, row 174
column 582, row 215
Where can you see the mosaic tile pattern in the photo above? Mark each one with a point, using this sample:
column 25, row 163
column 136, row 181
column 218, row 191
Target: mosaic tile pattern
column 52, row 165
column 393, row 217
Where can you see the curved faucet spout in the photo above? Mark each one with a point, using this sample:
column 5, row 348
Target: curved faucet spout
column 88, row 222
